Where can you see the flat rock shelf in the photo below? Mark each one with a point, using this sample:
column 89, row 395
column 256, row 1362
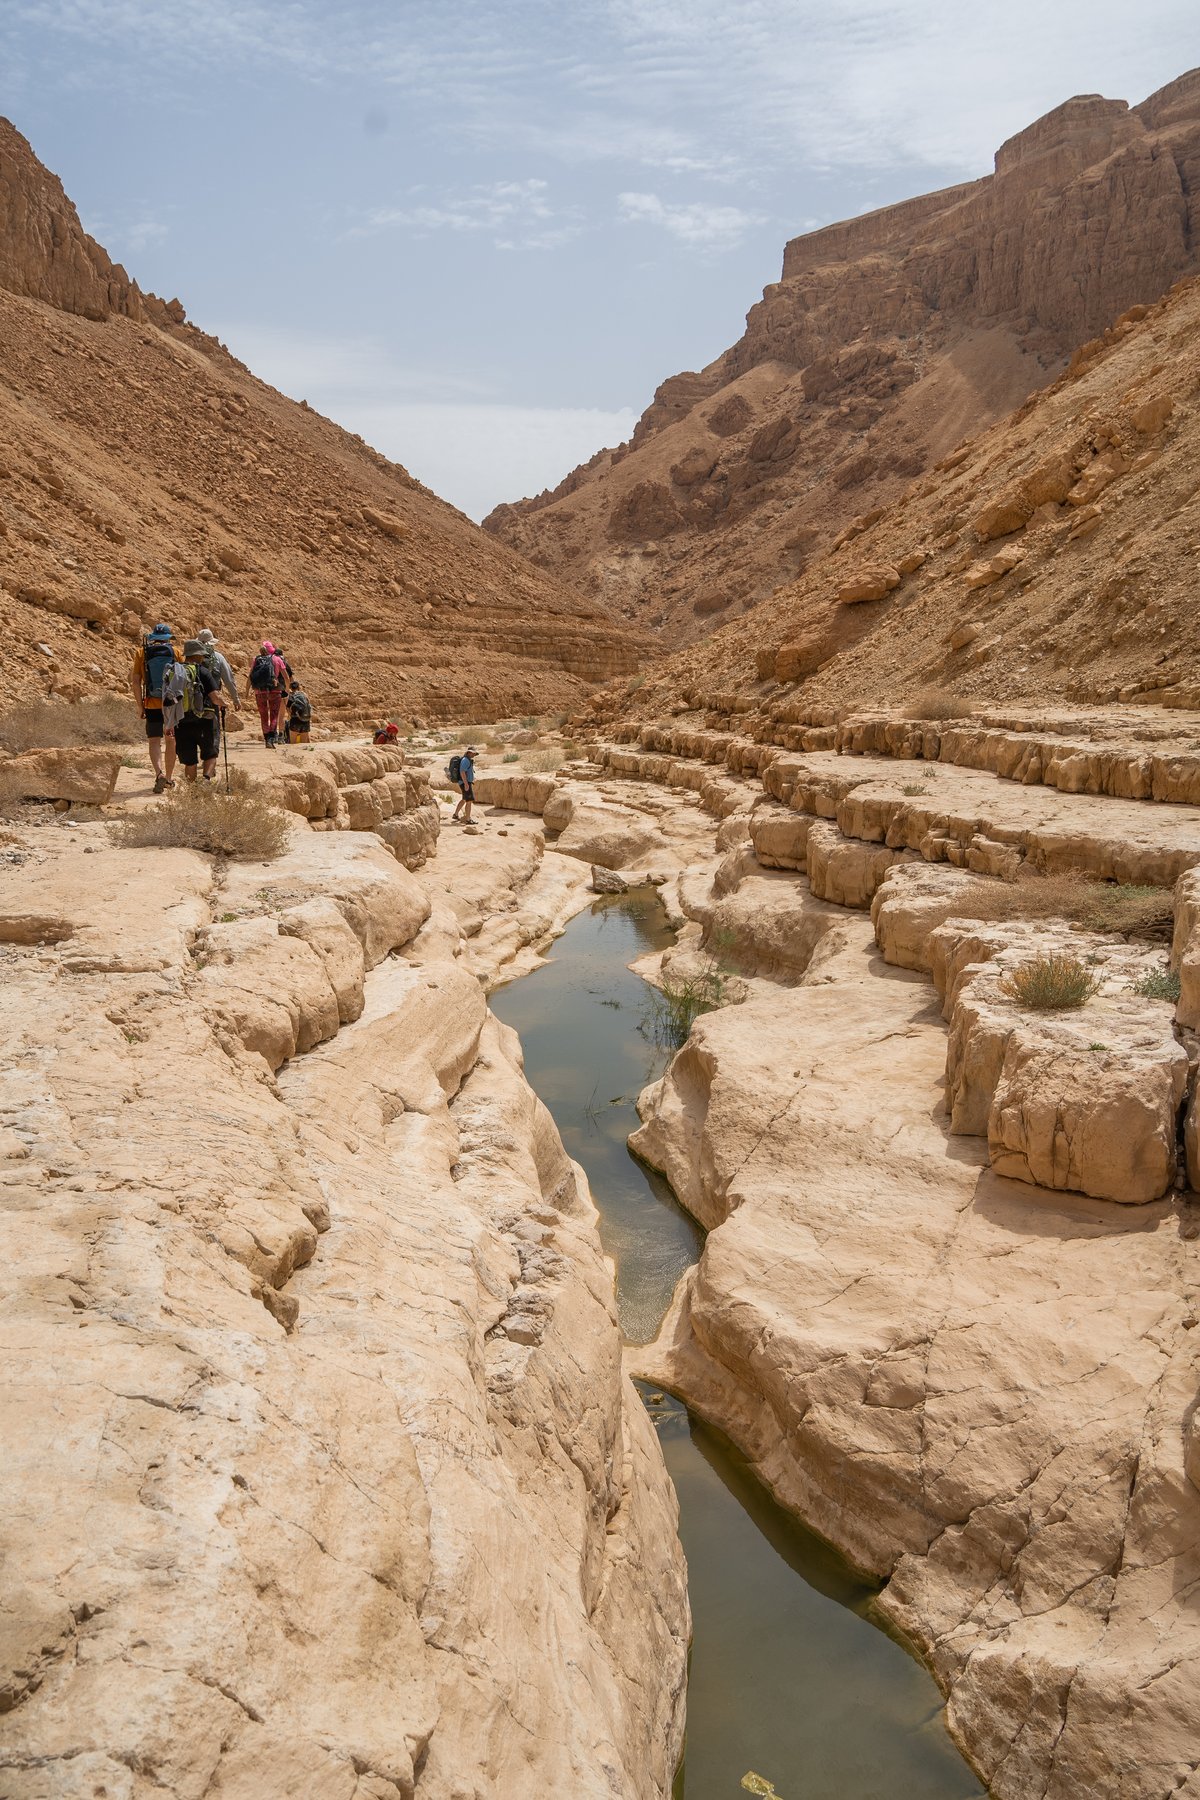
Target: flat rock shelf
column 791, row 1680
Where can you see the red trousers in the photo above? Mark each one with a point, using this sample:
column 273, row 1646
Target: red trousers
column 270, row 705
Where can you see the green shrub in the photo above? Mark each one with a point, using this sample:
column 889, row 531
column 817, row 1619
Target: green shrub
column 202, row 816
column 1050, row 983
column 1157, row 984
column 512, row 756
column 679, row 1002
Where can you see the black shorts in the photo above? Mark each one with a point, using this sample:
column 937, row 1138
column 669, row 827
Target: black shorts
column 467, row 790
column 154, row 721
column 197, row 740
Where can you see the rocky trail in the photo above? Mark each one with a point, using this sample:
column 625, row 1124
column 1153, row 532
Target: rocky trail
column 947, row 1300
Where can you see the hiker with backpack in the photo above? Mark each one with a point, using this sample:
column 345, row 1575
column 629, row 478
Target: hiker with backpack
column 198, row 733
column 299, row 716
column 268, row 684
column 462, row 775
column 154, row 657
column 220, row 667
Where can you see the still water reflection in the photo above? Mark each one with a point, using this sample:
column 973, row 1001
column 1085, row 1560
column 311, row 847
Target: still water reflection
column 789, row 1680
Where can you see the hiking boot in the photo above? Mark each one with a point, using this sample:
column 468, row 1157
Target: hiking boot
column 161, row 784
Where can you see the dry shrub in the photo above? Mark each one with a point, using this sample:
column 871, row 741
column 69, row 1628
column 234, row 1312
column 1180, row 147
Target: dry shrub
column 1050, row 983
column 200, row 815
column 1111, row 906
column 68, row 724
column 933, row 704
column 543, row 762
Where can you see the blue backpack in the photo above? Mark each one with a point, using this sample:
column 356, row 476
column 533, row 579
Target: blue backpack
column 158, row 654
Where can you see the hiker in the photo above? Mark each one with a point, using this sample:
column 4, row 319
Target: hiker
column 198, row 733
column 299, row 716
column 152, row 659
column 268, row 684
column 464, row 775
column 386, row 734
column 219, row 665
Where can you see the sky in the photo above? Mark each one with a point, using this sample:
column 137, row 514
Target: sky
column 481, row 232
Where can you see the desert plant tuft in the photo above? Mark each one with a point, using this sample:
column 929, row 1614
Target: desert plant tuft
column 1157, row 984
column 933, row 704
column 1050, row 983
column 202, row 816
column 65, row 724
column 679, row 1002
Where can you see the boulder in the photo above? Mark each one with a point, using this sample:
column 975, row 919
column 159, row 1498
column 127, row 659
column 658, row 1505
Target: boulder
column 872, row 583
column 86, row 777
column 607, row 881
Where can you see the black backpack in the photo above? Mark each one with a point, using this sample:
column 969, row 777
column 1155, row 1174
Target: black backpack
column 263, row 674
column 453, row 770
column 299, row 708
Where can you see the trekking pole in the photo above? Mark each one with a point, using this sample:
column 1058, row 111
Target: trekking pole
column 224, row 744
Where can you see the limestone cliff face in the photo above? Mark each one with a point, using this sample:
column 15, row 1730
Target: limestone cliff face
column 145, row 473
column 1052, row 558
column 887, row 339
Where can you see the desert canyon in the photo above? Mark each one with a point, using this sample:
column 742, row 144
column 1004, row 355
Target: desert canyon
column 870, row 666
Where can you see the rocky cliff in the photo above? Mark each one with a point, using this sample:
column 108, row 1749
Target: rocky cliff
column 1053, row 556
column 886, row 341
column 145, row 473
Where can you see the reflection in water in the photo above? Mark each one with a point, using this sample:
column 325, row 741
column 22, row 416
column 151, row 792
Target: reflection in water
column 787, row 1678
column 579, row 1018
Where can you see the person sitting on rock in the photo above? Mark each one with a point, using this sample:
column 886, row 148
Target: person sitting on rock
column 153, row 658
column 198, row 733
column 299, row 716
column 268, row 684
column 466, row 784
column 386, row 734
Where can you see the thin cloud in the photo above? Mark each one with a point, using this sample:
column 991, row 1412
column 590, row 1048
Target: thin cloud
column 515, row 213
column 697, row 223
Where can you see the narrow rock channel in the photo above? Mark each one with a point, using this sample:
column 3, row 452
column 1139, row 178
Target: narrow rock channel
column 790, row 1678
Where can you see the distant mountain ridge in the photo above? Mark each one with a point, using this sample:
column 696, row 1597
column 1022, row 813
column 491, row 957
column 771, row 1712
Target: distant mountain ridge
column 146, row 473
column 888, row 339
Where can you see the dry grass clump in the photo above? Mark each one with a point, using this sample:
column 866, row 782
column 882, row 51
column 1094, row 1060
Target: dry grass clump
column 1105, row 906
column 68, row 724
column 933, row 704
column 1050, row 983
column 202, row 816
column 543, row 762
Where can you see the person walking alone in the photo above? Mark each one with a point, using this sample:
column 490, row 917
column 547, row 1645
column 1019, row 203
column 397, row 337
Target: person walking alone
column 268, row 684
column 153, row 659
column 466, row 784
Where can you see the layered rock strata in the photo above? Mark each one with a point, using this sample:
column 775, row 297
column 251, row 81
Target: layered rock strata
column 323, row 1475
column 888, row 339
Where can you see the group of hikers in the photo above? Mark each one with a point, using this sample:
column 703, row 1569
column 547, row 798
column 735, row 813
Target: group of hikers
column 183, row 696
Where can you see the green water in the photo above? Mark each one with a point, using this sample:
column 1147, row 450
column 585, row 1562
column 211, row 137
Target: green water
column 788, row 1678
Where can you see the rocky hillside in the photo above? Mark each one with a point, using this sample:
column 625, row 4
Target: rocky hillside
column 145, row 473
column 1052, row 557
column 888, row 339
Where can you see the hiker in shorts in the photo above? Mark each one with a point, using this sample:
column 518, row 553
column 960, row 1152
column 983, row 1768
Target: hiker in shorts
column 219, row 665
column 198, row 733
column 466, row 784
column 153, row 658
column 299, row 715
column 268, row 684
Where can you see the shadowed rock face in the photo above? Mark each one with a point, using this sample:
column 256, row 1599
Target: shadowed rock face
column 886, row 340
column 147, row 473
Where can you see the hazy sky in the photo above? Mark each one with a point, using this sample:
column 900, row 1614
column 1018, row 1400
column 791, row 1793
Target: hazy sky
column 481, row 233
